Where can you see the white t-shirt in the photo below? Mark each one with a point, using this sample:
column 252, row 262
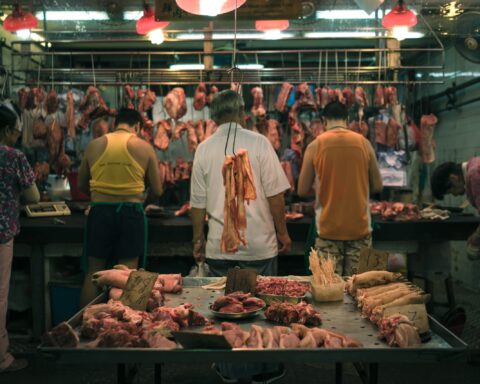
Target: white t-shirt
column 208, row 191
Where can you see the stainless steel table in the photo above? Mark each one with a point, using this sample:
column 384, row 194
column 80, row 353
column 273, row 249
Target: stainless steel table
column 342, row 316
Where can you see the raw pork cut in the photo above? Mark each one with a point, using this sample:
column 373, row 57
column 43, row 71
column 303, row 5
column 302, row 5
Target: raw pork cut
column 399, row 331
column 283, row 96
column 304, row 97
column 258, row 109
column 175, row 103
column 427, row 143
column 200, row 98
column 288, row 313
column 161, row 139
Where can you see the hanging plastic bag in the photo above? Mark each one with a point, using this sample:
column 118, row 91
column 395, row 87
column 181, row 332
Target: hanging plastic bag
column 199, row 270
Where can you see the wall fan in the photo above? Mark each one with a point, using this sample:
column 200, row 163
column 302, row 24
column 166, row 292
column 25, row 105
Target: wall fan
column 467, row 36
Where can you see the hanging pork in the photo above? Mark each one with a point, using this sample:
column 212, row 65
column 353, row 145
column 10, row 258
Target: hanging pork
column 200, row 98
column 175, row 103
column 427, row 142
column 283, row 96
column 258, row 108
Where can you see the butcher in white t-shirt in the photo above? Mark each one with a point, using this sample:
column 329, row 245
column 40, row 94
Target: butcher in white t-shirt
column 266, row 227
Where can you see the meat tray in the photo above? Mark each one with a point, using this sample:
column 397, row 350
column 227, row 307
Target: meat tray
column 340, row 316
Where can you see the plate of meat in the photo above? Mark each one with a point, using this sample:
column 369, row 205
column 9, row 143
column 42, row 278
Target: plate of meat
column 237, row 305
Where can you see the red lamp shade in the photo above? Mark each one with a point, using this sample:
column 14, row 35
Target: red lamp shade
column 147, row 22
column 20, row 19
column 209, row 7
column 271, row 25
column 399, row 16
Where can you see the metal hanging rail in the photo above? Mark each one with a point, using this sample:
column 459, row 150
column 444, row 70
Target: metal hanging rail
column 364, row 66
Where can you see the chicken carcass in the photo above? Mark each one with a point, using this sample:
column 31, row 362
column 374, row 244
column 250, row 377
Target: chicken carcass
column 258, row 109
column 200, row 98
column 175, row 103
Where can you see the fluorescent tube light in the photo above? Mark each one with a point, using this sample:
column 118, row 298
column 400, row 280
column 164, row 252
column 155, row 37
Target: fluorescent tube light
column 187, row 67
column 230, row 36
column 326, row 35
column 250, row 66
column 347, row 14
column 72, row 15
column 132, row 15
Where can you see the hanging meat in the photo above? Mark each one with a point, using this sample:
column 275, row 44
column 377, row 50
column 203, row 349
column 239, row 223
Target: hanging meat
column 211, row 95
column 380, row 131
column 297, row 133
column 54, row 131
column 316, row 128
column 177, row 132
column 129, row 97
column 93, row 106
column 200, row 98
column 200, row 130
column 331, row 95
column 239, row 187
column 273, row 133
column 360, row 127
column 361, row 97
column 51, row 102
column 175, row 103
column 41, row 171
column 339, row 96
column 393, row 129
column 283, row 96
column 146, row 100
column 304, row 97
column 391, row 96
column 258, row 109
column 349, row 96
column 23, row 95
column 427, row 143
column 379, row 100
column 192, row 140
column 210, row 128
column 39, row 113
column 183, row 169
column 161, row 139
column 70, row 115
column 100, row 127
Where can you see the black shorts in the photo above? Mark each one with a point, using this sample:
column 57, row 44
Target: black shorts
column 115, row 232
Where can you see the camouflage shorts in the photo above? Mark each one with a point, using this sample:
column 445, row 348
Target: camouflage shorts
column 347, row 252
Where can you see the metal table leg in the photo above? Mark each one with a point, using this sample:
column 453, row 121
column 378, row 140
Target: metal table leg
column 38, row 290
column 338, row 373
column 373, row 373
column 121, row 374
column 157, row 378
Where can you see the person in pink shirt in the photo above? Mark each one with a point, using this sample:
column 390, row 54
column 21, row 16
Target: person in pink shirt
column 459, row 179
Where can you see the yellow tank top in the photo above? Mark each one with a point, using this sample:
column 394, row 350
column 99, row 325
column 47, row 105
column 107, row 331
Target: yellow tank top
column 341, row 164
column 116, row 172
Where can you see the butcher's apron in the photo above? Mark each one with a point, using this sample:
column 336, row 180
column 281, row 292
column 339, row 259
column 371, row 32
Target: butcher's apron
column 139, row 207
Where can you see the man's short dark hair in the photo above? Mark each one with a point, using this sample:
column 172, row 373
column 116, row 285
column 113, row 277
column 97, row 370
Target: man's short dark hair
column 128, row 116
column 440, row 182
column 335, row 111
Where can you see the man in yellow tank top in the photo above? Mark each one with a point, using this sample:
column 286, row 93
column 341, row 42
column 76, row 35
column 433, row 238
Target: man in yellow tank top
column 340, row 169
column 113, row 171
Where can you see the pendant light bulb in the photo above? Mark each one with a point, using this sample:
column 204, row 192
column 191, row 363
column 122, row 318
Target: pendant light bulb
column 400, row 33
column 156, row 36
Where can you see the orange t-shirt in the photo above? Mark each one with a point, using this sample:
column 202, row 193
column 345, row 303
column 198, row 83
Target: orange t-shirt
column 341, row 165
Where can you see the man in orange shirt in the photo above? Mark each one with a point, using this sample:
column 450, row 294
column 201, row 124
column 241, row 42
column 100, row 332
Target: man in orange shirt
column 340, row 169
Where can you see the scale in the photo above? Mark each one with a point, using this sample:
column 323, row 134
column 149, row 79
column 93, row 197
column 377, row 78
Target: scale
column 47, row 209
